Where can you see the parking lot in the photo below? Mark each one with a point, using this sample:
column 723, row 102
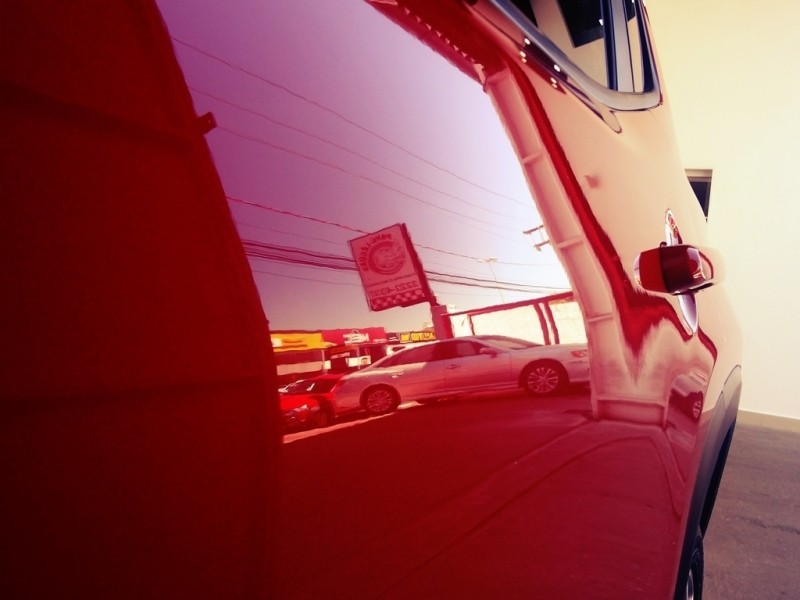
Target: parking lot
column 753, row 541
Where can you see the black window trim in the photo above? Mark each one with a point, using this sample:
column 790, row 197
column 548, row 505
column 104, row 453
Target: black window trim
column 599, row 97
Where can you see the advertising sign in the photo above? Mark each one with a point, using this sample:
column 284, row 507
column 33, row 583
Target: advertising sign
column 367, row 335
column 297, row 340
column 409, row 337
column 390, row 269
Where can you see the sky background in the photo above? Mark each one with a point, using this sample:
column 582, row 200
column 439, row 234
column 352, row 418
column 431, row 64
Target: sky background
column 332, row 122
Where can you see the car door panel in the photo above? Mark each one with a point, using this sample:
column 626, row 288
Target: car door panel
column 419, row 380
column 589, row 493
column 605, row 182
column 478, row 372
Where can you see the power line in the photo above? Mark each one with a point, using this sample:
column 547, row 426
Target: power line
column 291, row 233
column 339, row 115
column 300, row 256
column 374, row 181
column 338, row 147
column 358, row 285
column 356, row 230
column 349, row 284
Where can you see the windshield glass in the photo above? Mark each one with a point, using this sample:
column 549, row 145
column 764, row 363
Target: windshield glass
column 508, row 343
column 322, row 385
column 298, row 387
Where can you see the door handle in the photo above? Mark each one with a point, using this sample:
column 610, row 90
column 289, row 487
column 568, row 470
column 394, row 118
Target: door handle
column 677, row 269
column 453, row 366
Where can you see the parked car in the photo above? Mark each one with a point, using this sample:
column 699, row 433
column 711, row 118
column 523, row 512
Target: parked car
column 309, row 402
column 465, row 365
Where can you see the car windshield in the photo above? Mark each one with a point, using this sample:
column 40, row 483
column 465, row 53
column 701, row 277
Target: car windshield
column 298, row 387
column 508, row 343
column 322, row 385
column 309, row 386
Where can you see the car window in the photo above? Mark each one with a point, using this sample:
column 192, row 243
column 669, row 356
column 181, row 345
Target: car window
column 320, row 386
column 607, row 49
column 509, row 343
column 426, row 353
column 299, row 387
column 459, row 349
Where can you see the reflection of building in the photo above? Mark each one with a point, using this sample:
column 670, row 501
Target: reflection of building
column 553, row 319
column 350, row 349
column 300, row 354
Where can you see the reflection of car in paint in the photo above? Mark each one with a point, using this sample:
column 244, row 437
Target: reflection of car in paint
column 461, row 366
column 309, row 402
column 686, row 396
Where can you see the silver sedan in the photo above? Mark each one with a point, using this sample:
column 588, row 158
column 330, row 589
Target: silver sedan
column 462, row 366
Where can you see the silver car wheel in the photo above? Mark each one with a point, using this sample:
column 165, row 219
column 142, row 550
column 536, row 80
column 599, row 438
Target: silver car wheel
column 380, row 400
column 543, row 379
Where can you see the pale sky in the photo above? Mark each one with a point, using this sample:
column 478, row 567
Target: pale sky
column 329, row 111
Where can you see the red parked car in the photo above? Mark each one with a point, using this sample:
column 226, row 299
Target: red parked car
column 309, row 402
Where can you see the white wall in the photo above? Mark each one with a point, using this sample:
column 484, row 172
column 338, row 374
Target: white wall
column 732, row 74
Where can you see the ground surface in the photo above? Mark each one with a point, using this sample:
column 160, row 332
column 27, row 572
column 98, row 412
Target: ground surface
column 753, row 541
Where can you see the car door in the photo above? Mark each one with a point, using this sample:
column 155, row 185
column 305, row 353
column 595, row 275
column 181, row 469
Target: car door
column 466, row 168
column 577, row 87
column 470, row 366
column 416, row 372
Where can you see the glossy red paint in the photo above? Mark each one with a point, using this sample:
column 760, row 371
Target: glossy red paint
column 606, row 504
column 141, row 430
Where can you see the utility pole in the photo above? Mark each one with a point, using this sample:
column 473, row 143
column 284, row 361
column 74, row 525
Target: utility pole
column 541, row 231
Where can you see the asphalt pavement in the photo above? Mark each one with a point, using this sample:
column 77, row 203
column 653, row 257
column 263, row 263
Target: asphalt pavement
column 752, row 546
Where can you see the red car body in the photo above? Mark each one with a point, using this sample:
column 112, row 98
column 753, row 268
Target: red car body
column 309, row 402
column 140, row 457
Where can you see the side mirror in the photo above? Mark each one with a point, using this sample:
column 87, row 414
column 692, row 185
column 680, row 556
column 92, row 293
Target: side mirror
column 489, row 352
column 678, row 269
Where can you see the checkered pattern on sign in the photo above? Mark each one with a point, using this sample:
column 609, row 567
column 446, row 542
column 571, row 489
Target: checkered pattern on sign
column 401, row 299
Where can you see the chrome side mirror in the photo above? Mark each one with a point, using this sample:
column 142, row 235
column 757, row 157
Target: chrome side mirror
column 678, row 269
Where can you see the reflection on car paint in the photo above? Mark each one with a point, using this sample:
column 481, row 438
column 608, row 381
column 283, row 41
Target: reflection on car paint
column 504, row 411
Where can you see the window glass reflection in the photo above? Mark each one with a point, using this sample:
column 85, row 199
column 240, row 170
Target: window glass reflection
column 314, row 158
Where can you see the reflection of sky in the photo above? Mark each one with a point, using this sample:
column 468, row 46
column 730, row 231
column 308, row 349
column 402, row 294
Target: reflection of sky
column 329, row 111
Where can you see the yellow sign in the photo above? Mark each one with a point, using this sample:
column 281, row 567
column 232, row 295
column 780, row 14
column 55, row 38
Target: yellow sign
column 300, row 340
column 406, row 337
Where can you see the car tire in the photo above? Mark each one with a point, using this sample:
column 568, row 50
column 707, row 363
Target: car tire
column 694, row 579
column 380, row 400
column 323, row 418
column 543, row 378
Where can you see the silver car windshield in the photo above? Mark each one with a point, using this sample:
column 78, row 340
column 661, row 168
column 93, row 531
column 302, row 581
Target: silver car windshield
column 508, row 343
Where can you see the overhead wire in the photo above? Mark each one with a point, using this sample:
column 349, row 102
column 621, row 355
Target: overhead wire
column 378, row 183
column 301, row 256
column 341, row 116
column 362, row 231
column 338, row 147
column 290, row 233
column 358, row 285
